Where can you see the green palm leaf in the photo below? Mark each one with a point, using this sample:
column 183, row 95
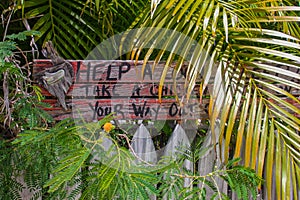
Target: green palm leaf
column 77, row 26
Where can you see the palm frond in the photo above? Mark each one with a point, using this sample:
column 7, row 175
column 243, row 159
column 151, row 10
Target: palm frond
column 250, row 49
column 76, row 27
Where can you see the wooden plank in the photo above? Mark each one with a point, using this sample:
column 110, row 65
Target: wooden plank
column 132, row 108
column 95, row 109
column 114, row 71
column 116, row 90
column 127, row 72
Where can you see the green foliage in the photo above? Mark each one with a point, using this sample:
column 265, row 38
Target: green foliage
column 244, row 181
column 8, row 183
column 6, row 49
column 20, row 109
column 77, row 26
column 181, row 183
column 22, row 35
column 8, row 46
column 68, row 160
column 29, row 112
column 249, row 52
column 65, row 156
column 68, row 157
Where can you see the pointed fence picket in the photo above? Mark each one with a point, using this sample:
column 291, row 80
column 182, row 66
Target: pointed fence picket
column 209, row 161
column 143, row 147
column 178, row 140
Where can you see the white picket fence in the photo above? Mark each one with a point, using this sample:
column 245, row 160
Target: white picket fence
column 142, row 144
column 143, row 147
column 182, row 136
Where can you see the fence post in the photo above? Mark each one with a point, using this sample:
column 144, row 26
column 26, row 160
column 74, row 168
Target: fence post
column 209, row 161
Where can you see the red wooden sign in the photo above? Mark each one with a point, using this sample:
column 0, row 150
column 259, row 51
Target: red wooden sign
column 103, row 87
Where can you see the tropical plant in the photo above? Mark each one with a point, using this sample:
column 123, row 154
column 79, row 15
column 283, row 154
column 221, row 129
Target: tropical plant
column 21, row 104
column 69, row 161
column 250, row 51
column 75, row 27
column 248, row 48
column 19, row 99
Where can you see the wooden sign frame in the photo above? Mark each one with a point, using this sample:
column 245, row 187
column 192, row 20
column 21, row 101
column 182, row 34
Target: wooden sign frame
column 103, row 87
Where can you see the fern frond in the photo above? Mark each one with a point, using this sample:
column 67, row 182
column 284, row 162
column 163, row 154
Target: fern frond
column 67, row 168
column 243, row 181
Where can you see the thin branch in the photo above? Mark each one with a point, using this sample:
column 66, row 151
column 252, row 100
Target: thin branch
column 216, row 184
column 214, row 173
column 26, row 61
column 20, row 19
column 6, row 102
column 8, row 21
column 34, row 47
column 132, row 150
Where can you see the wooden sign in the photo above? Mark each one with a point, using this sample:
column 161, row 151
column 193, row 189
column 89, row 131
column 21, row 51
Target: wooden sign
column 103, row 87
column 120, row 87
